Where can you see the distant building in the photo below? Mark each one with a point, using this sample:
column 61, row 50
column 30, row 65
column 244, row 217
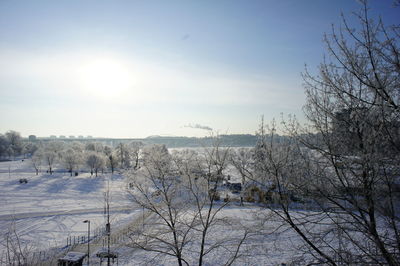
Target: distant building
column 71, row 137
column 89, row 137
column 62, row 137
column 80, row 137
column 32, row 138
column 53, row 136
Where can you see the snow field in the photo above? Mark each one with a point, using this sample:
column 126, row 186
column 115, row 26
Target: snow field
column 266, row 243
column 50, row 208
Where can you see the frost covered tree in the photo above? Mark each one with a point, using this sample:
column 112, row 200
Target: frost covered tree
column 134, row 150
column 15, row 142
column 18, row 251
column 95, row 161
column 260, row 157
column 94, row 146
column 11, row 144
column 179, row 191
column 111, row 161
column 350, row 149
column 71, row 159
column 55, row 146
column 243, row 161
column 156, row 156
column 49, row 156
column 77, row 146
column 3, row 146
column 37, row 160
column 51, row 153
column 123, row 155
column 29, row 149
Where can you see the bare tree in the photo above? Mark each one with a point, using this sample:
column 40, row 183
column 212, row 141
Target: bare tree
column 37, row 160
column 346, row 160
column 205, row 198
column 155, row 190
column 243, row 161
column 17, row 250
column 180, row 191
column 49, row 157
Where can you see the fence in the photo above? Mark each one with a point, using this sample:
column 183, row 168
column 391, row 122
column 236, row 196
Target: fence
column 50, row 256
column 26, row 256
column 81, row 239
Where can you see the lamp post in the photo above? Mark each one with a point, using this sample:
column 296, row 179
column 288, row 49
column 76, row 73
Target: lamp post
column 88, row 242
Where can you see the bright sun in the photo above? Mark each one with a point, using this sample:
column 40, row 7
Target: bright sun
column 106, row 78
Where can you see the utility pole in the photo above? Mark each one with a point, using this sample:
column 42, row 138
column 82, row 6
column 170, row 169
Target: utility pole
column 108, row 226
column 88, row 243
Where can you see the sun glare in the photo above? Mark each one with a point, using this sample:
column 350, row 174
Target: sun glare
column 106, row 78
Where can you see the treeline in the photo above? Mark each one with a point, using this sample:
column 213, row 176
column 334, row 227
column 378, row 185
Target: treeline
column 93, row 156
column 12, row 145
column 234, row 140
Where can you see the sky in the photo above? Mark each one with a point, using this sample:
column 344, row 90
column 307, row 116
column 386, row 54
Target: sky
column 132, row 69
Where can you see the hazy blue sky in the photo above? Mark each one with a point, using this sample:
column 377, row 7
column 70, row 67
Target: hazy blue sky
column 139, row 68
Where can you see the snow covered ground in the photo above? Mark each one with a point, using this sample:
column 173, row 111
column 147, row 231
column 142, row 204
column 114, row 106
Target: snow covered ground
column 267, row 244
column 50, row 208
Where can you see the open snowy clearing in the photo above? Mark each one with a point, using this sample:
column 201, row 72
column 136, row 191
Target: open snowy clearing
column 50, row 208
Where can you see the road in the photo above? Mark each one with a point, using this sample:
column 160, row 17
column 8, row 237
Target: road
column 17, row 216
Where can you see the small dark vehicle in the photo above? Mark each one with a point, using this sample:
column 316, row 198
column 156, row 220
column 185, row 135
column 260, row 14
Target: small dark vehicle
column 23, row 180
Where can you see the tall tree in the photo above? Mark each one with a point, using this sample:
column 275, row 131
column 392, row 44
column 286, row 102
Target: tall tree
column 134, row 150
column 50, row 157
column 71, row 160
column 95, row 161
column 123, row 155
column 15, row 142
column 37, row 160
column 111, row 158
column 3, row 145
column 180, row 191
column 350, row 149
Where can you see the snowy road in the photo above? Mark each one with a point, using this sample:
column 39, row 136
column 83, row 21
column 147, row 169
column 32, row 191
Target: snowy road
column 18, row 216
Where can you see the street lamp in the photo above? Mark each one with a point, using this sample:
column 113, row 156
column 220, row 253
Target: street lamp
column 88, row 242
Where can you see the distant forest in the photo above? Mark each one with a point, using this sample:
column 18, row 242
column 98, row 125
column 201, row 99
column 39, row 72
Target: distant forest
column 235, row 140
